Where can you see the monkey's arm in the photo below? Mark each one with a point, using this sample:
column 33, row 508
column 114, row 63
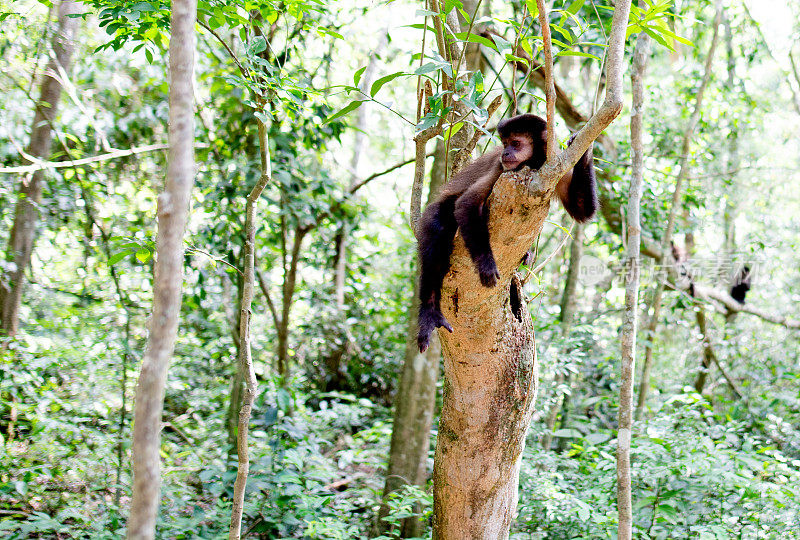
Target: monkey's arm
column 472, row 217
column 578, row 189
column 437, row 228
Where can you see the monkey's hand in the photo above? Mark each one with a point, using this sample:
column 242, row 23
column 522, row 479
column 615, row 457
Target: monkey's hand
column 429, row 320
column 487, row 270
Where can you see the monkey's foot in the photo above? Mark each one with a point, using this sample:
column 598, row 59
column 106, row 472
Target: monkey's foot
column 429, row 320
column 487, row 270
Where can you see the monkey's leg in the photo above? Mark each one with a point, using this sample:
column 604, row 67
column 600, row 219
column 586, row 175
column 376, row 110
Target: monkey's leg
column 437, row 228
column 472, row 217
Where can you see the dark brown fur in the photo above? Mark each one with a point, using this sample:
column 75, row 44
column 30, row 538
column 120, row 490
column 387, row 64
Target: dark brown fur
column 741, row 284
column 462, row 205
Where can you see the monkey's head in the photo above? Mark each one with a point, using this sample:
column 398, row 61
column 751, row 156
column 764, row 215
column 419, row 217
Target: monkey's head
column 524, row 141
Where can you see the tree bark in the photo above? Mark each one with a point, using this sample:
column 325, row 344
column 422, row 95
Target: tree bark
column 173, row 209
column 232, row 313
column 245, row 357
column 26, row 213
column 287, row 298
column 677, row 194
column 632, row 266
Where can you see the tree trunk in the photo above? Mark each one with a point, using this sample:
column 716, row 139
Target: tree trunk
column 287, row 298
column 244, row 355
column 26, row 214
column 569, row 299
column 677, row 194
column 173, row 209
column 417, row 392
column 708, row 352
column 490, row 357
column 416, row 397
column 569, row 303
column 630, row 319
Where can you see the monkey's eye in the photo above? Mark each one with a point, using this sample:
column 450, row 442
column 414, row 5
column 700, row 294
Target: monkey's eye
column 515, row 144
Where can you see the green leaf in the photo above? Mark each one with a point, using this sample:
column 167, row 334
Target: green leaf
column 426, row 68
column 420, row 26
column 452, row 130
column 143, row 255
column 533, row 8
column 658, row 38
column 597, row 438
column 575, row 6
column 353, row 105
column 501, row 44
column 357, row 75
column 377, row 85
column 327, row 31
column 568, row 433
column 578, row 53
column 474, row 38
column 114, row 259
column 511, row 58
column 449, row 5
column 429, row 120
column 258, row 45
column 143, row 7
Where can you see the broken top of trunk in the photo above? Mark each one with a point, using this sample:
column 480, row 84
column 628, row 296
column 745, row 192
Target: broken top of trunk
column 517, row 209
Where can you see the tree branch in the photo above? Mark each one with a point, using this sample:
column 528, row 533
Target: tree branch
column 549, row 85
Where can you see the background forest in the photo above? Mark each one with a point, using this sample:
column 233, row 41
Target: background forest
column 84, row 116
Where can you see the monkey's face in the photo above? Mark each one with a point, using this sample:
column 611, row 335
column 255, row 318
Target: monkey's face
column 517, row 149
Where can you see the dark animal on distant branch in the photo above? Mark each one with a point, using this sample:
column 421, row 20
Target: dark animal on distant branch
column 741, row 284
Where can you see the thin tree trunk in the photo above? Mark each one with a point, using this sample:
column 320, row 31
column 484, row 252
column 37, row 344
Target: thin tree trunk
column 644, row 384
column 173, row 209
column 234, row 405
column 732, row 157
column 416, row 398
column 287, row 297
column 632, row 264
column 490, row 358
column 232, row 313
column 26, row 213
column 569, row 303
column 708, row 352
column 569, row 299
column 245, row 358
column 336, row 375
column 709, row 357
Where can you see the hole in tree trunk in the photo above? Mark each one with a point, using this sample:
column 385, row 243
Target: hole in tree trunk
column 515, row 298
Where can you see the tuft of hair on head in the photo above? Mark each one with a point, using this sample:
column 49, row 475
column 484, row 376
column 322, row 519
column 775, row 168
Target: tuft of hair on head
column 523, row 123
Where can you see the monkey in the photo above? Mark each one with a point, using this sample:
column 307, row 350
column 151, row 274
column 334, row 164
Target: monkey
column 462, row 205
column 683, row 267
column 741, row 284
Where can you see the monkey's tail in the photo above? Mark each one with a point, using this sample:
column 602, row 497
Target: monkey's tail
column 430, row 318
